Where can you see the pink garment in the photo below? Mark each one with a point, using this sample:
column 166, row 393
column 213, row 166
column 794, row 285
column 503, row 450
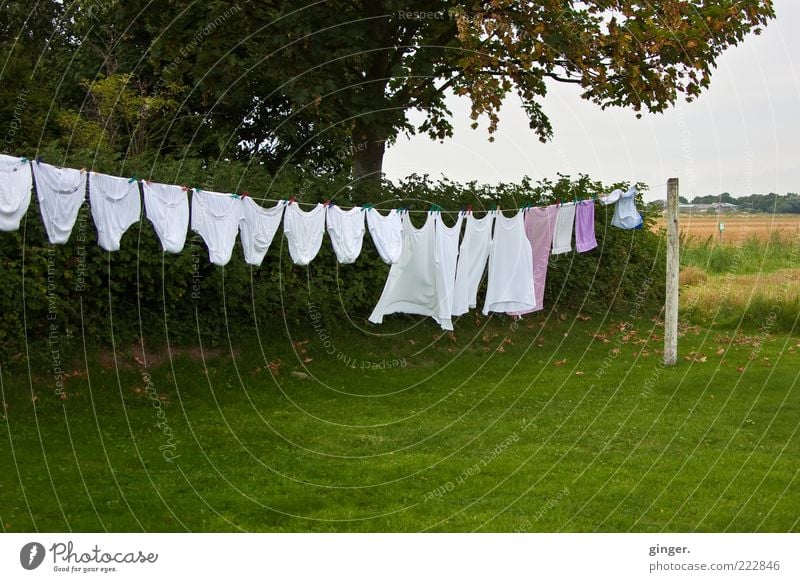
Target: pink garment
column 540, row 225
column 584, row 226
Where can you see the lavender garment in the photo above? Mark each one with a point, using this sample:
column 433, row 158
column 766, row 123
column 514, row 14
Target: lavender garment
column 584, row 226
column 540, row 225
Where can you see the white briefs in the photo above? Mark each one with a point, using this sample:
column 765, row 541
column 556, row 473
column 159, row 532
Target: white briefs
column 115, row 205
column 304, row 232
column 257, row 229
column 472, row 260
column 16, row 183
column 565, row 221
column 346, row 230
column 215, row 217
column 387, row 234
column 167, row 207
column 61, row 191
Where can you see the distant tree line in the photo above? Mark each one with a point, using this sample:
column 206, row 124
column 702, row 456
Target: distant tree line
column 776, row 203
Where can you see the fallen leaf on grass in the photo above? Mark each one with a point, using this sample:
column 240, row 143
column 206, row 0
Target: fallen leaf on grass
column 579, row 373
column 301, row 375
column 740, row 369
column 559, row 363
column 720, row 351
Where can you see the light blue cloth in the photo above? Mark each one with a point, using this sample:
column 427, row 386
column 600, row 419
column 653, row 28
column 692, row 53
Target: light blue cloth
column 625, row 214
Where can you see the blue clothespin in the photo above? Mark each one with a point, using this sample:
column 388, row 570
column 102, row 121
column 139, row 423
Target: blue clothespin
column 23, row 160
column 132, row 179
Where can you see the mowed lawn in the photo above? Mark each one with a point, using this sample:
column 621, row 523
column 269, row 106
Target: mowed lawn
column 544, row 425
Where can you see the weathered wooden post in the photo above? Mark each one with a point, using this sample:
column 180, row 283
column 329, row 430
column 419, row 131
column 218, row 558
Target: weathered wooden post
column 673, row 271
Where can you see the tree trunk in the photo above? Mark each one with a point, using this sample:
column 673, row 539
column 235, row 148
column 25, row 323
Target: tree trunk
column 368, row 146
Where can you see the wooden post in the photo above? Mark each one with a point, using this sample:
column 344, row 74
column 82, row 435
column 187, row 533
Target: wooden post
column 673, row 271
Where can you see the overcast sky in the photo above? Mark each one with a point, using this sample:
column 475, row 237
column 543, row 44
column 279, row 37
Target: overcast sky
column 741, row 136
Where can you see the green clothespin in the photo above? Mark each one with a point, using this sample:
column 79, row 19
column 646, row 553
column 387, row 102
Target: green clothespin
column 131, row 180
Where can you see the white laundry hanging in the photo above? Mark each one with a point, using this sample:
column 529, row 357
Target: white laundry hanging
column 472, row 258
column 447, row 238
column 411, row 284
column 387, row 234
column 565, row 222
column 346, row 231
column 167, row 207
column 115, row 206
column 625, row 214
column 215, row 217
column 16, row 183
column 61, row 191
column 510, row 287
column 257, row 229
column 304, row 231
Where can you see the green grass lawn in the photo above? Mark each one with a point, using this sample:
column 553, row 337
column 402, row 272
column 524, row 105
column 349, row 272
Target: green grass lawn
column 545, row 425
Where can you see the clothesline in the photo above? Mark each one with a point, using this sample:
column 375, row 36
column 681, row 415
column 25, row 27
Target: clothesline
column 434, row 271
column 293, row 199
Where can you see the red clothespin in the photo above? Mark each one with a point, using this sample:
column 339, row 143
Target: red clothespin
column 326, row 203
column 469, row 208
column 292, row 200
column 185, row 188
column 244, row 194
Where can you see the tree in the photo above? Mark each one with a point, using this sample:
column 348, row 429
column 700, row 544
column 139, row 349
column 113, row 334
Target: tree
column 332, row 83
column 366, row 64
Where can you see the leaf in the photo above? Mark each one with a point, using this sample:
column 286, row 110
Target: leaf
column 559, row 363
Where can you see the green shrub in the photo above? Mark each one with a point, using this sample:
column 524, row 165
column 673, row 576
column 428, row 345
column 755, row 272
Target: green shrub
column 139, row 291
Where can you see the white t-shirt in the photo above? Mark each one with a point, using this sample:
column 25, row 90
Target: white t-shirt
column 167, row 207
column 115, row 205
column 61, row 191
column 304, row 231
column 472, row 258
column 215, row 217
column 16, row 182
column 510, row 286
column 346, row 231
column 257, row 229
column 387, row 234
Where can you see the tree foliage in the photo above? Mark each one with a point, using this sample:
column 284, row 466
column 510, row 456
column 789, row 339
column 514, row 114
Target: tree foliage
column 331, row 83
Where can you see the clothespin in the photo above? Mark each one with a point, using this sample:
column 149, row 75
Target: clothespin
column 185, row 188
column 244, row 194
column 131, row 180
column 83, row 170
column 493, row 208
column 235, row 195
column 366, row 206
column 292, row 200
column 23, row 160
column 326, row 202
column 469, row 208
column 40, row 159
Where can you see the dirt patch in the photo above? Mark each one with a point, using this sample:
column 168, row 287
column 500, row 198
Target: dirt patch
column 134, row 357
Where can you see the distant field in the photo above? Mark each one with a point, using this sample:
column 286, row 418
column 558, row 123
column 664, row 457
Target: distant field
column 738, row 227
